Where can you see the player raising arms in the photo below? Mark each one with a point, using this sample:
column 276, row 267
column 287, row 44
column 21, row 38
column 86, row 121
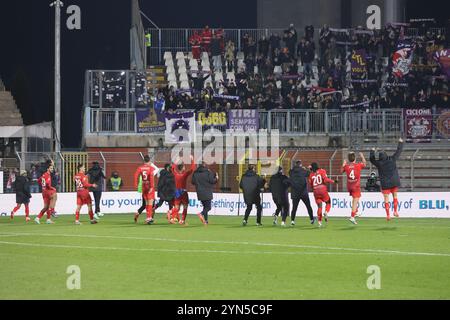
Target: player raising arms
column 388, row 173
column 318, row 180
column 83, row 197
column 48, row 194
column 353, row 172
column 146, row 172
column 181, row 194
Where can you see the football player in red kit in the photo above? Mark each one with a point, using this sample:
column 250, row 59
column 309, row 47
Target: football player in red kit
column 181, row 194
column 353, row 171
column 48, row 194
column 83, row 197
column 146, row 172
column 318, row 180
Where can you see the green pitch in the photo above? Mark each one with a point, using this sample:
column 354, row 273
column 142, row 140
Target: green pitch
column 121, row 260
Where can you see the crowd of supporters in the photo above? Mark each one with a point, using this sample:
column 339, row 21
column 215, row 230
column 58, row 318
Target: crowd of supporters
column 313, row 71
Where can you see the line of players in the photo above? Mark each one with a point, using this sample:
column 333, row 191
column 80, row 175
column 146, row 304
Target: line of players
column 317, row 179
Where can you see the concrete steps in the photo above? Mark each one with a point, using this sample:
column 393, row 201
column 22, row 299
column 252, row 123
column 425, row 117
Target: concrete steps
column 9, row 113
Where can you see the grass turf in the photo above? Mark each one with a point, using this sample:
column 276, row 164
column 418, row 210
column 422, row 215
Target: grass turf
column 121, row 260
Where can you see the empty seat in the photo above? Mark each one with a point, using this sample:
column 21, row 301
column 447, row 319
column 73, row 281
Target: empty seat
column 183, row 77
column 193, row 62
column 173, row 84
column 179, row 55
column 240, row 55
column 171, row 77
column 184, row 85
column 204, row 55
column 190, row 55
column 181, row 63
column 205, row 63
column 182, row 69
column 277, row 70
column 167, row 55
column 206, row 68
column 169, row 63
column 218, row 76
column 170, row 69
column 194, row 68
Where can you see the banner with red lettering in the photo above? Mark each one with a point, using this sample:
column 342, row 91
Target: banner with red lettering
column 418, row 125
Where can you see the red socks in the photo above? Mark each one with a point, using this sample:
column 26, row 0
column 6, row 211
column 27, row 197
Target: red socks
column 387, row 206
column 77, row 215
column 27, row 210
column 395, row 205
column 91, row 215
column 16, row 208
column 149, row 210
column 49, row 213
column 319, row 213
column 353, row 214
column 327, row 207
column 43, row 211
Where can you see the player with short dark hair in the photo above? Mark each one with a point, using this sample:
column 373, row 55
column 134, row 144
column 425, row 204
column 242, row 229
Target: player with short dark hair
column 181, row 194
column 318, row 180
column 83, row 197
column 353, row 171
column 48, row 194
column 146, row 172
column 299, row 190
column 389, row 178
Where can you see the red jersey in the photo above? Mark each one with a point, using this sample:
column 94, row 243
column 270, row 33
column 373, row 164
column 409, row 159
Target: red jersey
column 146, row 171
column 46, row 182
column 81, row 182
column 353, row 171
column 181, row 177
column 318, row 181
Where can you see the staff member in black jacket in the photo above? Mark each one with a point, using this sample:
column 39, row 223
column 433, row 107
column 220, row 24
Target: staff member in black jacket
column 388, row 173
column 299, row 190
column 204, row 180
column 251, row 185
column 279, row 186
column 96, row 176
column 166, row 190
column 23, row 196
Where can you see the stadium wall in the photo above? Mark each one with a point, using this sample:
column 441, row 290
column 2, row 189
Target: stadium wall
column 411, row 204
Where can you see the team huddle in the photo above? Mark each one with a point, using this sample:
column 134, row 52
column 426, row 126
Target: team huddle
column 172, row 189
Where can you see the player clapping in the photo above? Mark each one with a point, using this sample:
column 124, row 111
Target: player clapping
column 318, row 180
column 181, row 194
column 146, row 172
column 353, row 171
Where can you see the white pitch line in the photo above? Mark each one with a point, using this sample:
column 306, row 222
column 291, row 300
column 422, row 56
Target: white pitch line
column 380, row 251
column 58, row 246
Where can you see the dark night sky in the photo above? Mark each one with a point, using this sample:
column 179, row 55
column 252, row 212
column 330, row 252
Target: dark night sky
column 27, row 46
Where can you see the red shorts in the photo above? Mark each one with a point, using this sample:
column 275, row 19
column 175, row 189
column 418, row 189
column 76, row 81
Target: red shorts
column 355, row 192
column 389, row 191
column 83, row 197
column 183, row 199
column 47, row 195
column 322, row 197
column 148, row 193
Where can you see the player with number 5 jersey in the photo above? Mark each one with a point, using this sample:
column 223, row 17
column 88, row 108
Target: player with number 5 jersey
column 48, row 194
column 146, row 172
column 353, row 171
column 318, row 180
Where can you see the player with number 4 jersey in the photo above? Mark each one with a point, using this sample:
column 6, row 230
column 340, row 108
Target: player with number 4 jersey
column 318, row 180
column 353, row 171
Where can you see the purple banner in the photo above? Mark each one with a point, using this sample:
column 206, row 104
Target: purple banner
column 243, row 120
column 443, row 58
column 150, row 119
column 418, row 125
column 359, row 64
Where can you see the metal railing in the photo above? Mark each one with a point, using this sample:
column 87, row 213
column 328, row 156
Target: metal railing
column 292, row 122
